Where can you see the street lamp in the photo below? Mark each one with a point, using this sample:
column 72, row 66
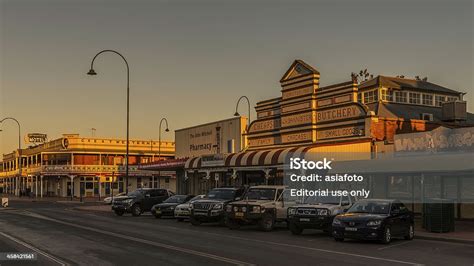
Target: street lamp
column 93, row 73
column 159, row 144
column 237, row 106
column 19, row 151
column 159, row 136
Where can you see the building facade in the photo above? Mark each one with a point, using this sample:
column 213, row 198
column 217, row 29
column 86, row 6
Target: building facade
column 74, row 166
column 209, row 142
column 350, row 121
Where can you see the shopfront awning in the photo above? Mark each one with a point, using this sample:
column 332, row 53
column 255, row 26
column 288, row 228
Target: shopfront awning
column 193, row 163
column 264, row 157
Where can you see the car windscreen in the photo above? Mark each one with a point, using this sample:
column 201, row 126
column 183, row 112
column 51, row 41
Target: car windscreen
column 136, row 193
column 322, row 200
column 371, row 207
column 176, row 199
column 261, row 194
column 196, row 198
column 225, row 194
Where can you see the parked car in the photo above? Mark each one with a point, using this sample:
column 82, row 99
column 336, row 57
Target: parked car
column 182, row 211
column 140, row 201
column 108, row 200
column 317, row 213
column 374, row 219
column 262, row 205
column 212, row 207
column 167, row 207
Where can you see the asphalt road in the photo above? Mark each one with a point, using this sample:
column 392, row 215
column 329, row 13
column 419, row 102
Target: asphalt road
column 66, row 236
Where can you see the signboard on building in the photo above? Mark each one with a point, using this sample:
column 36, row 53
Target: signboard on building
column 213, row 138
column 441, row 139
column 36, row 138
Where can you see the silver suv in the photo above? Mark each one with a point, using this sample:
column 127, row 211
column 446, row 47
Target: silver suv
column 262, row 205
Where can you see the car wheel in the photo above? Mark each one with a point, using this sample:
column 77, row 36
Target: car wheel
column 119, row 213
column 195, row 221
column 387, row 235
column 295, row 229
column 136, row 210
column 411, row 233
column 267, row 223
column 179, row 219
column 339, row 239
column 232, row 224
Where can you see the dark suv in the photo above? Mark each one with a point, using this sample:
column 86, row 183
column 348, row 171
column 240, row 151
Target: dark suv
column 211, row 208
column 140, row 200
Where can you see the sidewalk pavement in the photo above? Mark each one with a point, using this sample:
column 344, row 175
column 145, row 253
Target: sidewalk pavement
column 52, row 199
column 463, row 232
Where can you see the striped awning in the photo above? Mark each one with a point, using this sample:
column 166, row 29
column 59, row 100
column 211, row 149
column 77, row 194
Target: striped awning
column 264, row 157
column 193, row 163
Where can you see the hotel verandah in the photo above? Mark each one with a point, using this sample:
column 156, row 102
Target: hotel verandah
column 94, row 165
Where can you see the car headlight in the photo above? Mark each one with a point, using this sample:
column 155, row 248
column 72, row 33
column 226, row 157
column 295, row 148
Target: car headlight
column 244, row 209
column 374, row 223
column 128, row 201
column 228, row 208
column 218, row 206
column 336, row 222
column 323, row 212
column 172, row 208
column 291, row 211
column 236, row 209
column 256, row 209
column 191, row 206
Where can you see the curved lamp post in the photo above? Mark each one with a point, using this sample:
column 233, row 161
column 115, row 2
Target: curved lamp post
column 159, row 136
column 19, row 151
column 159, row 144
column 237, row 106
column 93, row 73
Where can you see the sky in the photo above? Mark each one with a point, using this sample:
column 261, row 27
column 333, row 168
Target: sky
column 191, row 60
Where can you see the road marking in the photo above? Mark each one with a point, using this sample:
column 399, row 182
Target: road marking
column 49, row 256
column 143, row 241
column 391, row 246
column 302, row 247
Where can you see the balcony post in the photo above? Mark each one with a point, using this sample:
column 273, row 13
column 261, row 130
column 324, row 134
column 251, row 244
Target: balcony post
column 41, row 186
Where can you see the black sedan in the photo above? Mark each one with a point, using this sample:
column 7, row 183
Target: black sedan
column 166, row 208
column 373, row 219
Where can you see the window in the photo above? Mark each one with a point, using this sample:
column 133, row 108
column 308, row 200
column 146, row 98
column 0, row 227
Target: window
column 370, row 96
column 400, row 97
column 427, row 116
column 427, row 99
column 439, row 100
column 452, row 99
column 359, row 97
column 386, row 95
column 415, row 98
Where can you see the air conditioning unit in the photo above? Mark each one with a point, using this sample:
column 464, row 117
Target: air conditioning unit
column 454, row 111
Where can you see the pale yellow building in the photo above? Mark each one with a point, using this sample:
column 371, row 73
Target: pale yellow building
column 75, row 166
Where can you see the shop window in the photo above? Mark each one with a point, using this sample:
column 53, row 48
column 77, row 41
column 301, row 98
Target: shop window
column 139, row 182
column 167, row 180
column 415, row 98
column 400, row 187
column 439, row 100
column 427, row 99
column 359, row 97
column 400, row 96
